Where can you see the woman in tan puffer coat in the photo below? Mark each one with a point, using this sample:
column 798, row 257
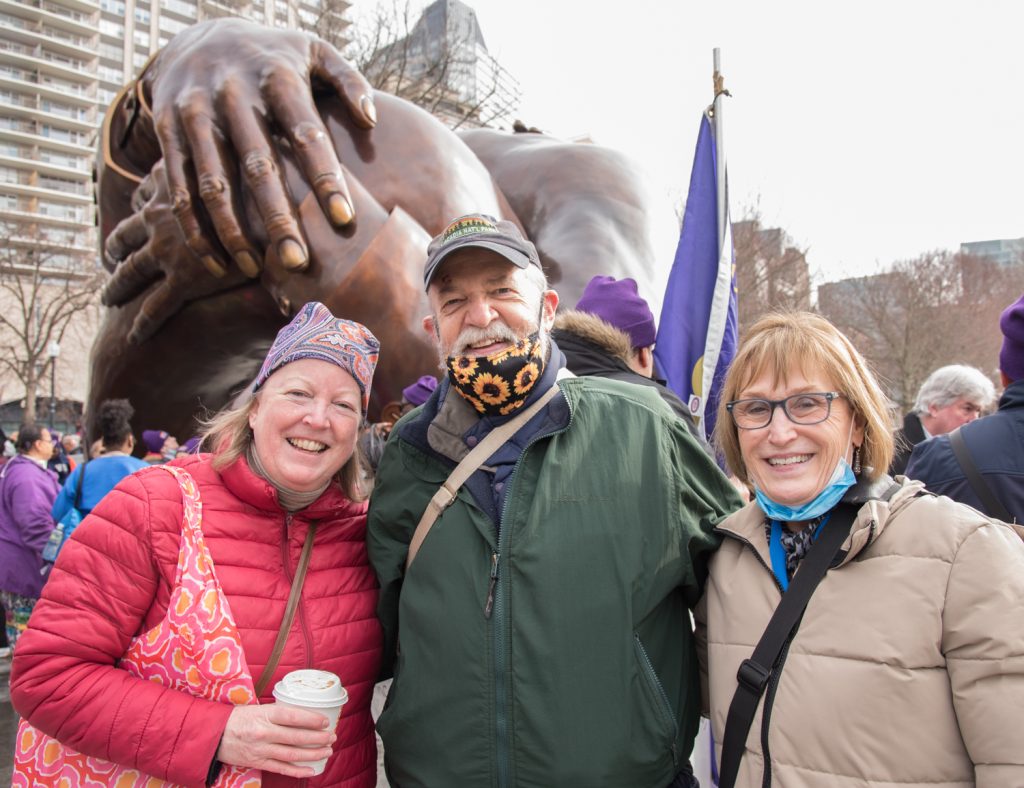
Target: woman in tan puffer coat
column 907, row 667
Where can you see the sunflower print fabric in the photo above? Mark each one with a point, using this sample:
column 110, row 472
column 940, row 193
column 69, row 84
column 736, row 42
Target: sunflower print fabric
column 498, row 384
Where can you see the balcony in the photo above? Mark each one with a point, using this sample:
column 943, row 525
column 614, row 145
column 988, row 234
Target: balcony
column 26, row 110
column 27, row 133
column 14, row 215
column 57, row 169
column 36, row 34
column 83, row 198
column 60, row 17
column 27, row 80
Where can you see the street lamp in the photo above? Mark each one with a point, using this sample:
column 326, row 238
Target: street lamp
column 53, row 350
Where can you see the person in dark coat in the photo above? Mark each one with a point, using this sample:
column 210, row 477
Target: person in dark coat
column 611, row 334
column 27, row 491
column 950, row 396
column 995, row 442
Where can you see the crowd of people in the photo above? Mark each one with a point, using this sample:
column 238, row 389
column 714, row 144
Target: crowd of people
column 519, row 545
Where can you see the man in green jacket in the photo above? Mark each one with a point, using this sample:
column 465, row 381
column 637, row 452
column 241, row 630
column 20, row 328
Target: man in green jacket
column 541, row 636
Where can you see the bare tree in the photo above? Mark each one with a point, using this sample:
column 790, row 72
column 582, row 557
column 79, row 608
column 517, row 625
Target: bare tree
column 771, row 272
column 939, row 308
column 44, row 284
column 436, row 63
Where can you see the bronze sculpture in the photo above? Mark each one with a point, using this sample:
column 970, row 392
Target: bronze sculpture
column 214, row 235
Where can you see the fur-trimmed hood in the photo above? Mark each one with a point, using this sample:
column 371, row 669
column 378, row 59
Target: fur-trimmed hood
column 596, row 331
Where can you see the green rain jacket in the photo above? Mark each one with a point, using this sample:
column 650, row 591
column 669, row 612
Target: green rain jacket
column 584, row 673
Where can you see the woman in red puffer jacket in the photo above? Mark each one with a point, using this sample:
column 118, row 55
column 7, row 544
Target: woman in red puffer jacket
column 284, row 462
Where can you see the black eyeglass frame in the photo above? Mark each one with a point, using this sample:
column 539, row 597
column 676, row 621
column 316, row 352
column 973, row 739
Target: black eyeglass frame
column 774, row 404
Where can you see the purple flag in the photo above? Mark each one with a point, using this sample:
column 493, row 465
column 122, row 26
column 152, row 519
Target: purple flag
column 697, row 332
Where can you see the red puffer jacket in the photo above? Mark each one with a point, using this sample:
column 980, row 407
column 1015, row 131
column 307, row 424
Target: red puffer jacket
column 113, row 580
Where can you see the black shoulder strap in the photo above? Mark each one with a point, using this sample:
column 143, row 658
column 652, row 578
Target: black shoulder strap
column 993, row 506
column 81, row 483
column 754, row 673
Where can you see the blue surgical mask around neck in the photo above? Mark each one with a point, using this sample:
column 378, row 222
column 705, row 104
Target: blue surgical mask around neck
column 842, row 479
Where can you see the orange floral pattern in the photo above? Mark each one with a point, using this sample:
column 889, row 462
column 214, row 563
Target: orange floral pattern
column 195, row 649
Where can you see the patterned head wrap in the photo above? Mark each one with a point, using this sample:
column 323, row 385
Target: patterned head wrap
column 315, row 333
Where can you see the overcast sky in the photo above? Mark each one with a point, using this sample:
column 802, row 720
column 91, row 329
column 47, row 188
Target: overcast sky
column 870, row 131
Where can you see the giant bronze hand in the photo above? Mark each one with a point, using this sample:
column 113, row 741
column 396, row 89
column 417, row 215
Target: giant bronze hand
column 217, row 93
column 148, row 249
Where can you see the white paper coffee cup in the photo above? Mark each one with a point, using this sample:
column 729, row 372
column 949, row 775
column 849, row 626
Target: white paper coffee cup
column 313, row 690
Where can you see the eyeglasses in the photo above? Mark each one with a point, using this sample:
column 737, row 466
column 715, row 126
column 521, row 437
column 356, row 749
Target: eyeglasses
column 810, row 407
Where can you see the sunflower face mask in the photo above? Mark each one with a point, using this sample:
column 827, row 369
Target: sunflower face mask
column 498, row 384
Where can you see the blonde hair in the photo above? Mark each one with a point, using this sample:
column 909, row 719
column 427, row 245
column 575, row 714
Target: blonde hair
column 228, row 436
column 780, row 342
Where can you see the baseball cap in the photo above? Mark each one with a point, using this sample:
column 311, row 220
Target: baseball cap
column 484, row 232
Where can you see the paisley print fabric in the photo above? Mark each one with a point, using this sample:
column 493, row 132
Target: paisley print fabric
column 498, row 384
column 195, row 649
column 316, row 333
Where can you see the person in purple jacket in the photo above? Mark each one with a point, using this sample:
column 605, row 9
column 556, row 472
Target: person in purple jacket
column 27, row 491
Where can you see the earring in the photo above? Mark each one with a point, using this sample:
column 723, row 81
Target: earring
column 856, row 461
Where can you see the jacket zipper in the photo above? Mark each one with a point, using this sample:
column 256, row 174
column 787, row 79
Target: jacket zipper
column 496, row 600
column 666, row 706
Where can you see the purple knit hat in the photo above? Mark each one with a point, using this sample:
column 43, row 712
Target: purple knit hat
column 154, row 440
column 315, row 333
column 1011, row 356
column 619, row 304
column 420, row 391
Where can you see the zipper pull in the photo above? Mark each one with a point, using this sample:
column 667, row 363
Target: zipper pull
column 489, row 607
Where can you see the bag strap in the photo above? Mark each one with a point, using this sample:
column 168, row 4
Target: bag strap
column 992, row 504
column 81, row 483
column 445, row 495
column 289, row 612
column 755, row 672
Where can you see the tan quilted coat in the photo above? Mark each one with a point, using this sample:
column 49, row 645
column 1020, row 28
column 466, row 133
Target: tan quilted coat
column 908, row 667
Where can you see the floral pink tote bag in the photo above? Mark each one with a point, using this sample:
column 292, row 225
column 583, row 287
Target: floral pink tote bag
column 195, row 649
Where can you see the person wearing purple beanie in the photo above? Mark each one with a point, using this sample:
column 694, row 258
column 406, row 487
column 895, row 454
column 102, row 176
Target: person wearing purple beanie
column 611, row 334
column 995, row 442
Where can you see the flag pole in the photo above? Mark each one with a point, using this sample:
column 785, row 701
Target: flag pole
column 717, row 105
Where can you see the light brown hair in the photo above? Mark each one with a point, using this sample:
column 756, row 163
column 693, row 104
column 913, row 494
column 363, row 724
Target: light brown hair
column 781, row 342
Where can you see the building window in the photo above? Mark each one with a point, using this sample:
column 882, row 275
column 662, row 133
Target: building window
column 114, row 29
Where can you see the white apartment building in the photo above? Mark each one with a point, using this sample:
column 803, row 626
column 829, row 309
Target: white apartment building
column 61, row 64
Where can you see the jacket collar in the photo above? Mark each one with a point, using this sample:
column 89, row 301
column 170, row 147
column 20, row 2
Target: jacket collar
column 747, row 525
column 1013, row 396
column 261, row 494
column 28, row 462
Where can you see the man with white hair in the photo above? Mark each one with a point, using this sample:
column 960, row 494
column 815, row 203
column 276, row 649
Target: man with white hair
column 541, row 632
column 951, row 396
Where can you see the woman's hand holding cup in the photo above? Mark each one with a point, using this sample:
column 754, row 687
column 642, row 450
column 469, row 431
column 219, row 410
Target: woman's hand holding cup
column 274, row 737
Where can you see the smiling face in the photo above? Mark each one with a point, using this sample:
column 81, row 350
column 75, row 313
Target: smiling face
column 792, row 463
column 482, row 304
column 305, row 423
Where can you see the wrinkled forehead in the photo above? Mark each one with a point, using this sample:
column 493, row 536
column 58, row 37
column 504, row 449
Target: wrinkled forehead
column 473, row 267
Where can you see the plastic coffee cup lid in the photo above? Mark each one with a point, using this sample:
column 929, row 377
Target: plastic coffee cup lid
column 318, row 688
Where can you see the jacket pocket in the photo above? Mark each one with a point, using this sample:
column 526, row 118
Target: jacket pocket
column 657, row 700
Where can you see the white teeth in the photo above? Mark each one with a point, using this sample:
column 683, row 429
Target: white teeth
column 307, row 445
column 789, row 460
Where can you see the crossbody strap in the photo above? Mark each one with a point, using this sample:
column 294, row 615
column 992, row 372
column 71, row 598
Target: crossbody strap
column 81, row 484
column 446, row 493
column 289, row 612
column 993, row 506
column 755, row 672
